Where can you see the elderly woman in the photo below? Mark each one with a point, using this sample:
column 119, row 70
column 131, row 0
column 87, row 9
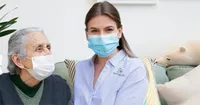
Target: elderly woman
column 30, row 80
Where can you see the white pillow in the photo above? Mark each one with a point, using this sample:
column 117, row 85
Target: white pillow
column 184, row 90
column 193, row 100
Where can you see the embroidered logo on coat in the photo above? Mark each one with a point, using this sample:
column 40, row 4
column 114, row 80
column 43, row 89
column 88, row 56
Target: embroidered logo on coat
column 119, row 72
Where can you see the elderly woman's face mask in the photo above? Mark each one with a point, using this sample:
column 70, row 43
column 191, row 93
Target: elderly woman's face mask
column 43, row 67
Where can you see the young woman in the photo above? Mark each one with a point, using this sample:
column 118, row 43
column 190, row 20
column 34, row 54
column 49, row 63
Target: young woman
column 114, row 75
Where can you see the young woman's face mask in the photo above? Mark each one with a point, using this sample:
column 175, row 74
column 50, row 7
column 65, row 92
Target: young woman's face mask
column 103, row 45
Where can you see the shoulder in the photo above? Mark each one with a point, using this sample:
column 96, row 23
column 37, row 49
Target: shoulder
column 82, row 67
column 83, row 63
column 4, row 80
column 136, row 65
column 135, row 61
column 4, row 76
column 56, row 79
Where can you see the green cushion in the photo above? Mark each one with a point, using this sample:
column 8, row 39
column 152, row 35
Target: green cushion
column 177, row 71
column 61, row 70
column 159, row 73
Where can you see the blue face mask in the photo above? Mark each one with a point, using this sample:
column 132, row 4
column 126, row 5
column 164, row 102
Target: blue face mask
column 103, row 45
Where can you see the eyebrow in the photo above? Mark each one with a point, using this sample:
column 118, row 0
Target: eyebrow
column 92, row 28
column 41, row 45
column 109, row 27
column 97, row 28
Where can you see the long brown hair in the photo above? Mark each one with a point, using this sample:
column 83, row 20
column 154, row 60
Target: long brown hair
column 106, row 8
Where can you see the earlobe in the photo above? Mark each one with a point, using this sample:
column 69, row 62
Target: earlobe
column 120, row 33
column 86, row 35
column 119, row 36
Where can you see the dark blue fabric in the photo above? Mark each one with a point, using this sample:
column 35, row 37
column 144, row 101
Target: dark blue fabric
column 56, row 91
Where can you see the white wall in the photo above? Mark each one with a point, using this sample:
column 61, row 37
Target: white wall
column 150, row 30
column 0, row 64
